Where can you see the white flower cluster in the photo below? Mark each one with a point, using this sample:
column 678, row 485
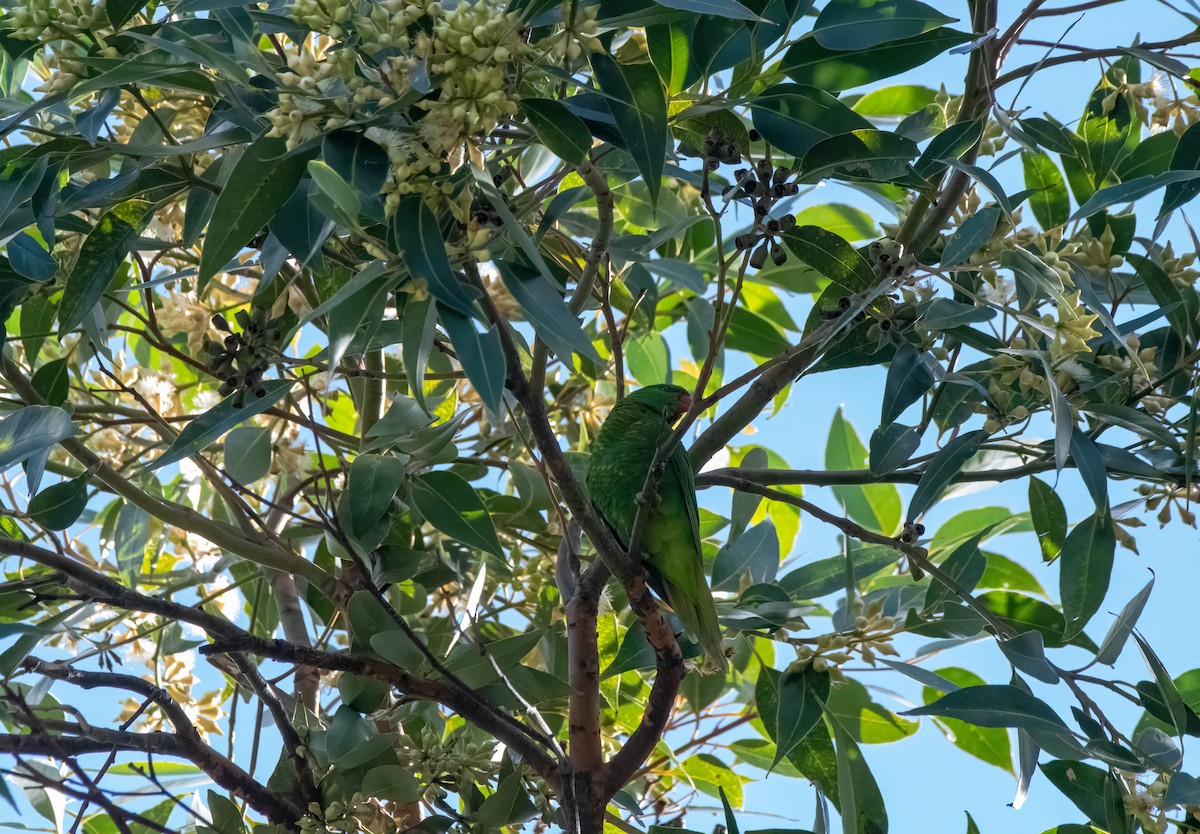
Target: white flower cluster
column 36, row 20
column 463, row 57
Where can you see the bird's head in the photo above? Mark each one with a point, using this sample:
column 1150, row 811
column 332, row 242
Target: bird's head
column 671, row 401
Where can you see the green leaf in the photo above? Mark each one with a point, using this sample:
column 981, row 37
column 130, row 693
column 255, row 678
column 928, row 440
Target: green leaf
column 212, row 424
column 1090, row 464
column 261, row 182
column 1050, row 203
column 714, row 777
column 1182, row 308
column 850, row 706
column 225, row 814
column 910, row 376
column 648, row 358
column 870, row 155
column 755, row 553
column 31, row 430
column 900, row 100
column 1085, row 569
column 808, row 62
column 52, row 381
column 352, row 741
column 1134, row 189
column 795, row 117
column 951, row 143
column 1133, row 420
column 558, row 129
column 106, row 246
column 424, row 251
column 418, row 323
column 509, row 805
column 635, row 652
column 1104, row 134
column 1049, row 518
column 1151, row 156
column 480, row 354
column 862, row 24
column 543, row 304
column 372, row 483
column 18, row 182
column 1122, row 627
column 824, row 576
column 892, row 446
column 996, row 706
column 965, row 565
column 875, row 506
column 453, row 506
column 130, row 539
column 59, row 506
column 1185, row 159
column 789, row 704
column 832, row 257
column 970, row 237
column 360, row 163
column 393, row 783
column 842, row 220
column 861, row 803
column 718, row 8
column 248, row 454
column 1095, row 792
column 478, row 665
column 988, row 744
column 638, row 104
column 941, row 471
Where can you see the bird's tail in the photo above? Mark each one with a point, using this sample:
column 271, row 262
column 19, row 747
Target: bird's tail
column 699, row 617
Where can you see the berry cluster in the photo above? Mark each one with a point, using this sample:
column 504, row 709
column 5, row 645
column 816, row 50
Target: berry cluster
column 764, row 185
column 718, row 150
column 244, row 357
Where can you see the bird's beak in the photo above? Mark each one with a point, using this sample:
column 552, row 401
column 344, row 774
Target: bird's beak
column 685, row 404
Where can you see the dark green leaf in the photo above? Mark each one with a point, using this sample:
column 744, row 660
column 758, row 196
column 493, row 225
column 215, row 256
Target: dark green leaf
column 351, row 741
column 1091, row 467
column 860, row 801
column 862, row 24
column 1151, row 156
column 970, row 237
column 638, row 105
column 1122, row 627
column 951, row 143
column 872, row 155
column 1183, row 307
column 996, row 706
column 876, row 506
column 965, row 565
column 105, row 247
column 1027, row 653
column 477, row 665
column 30, row 260
column 910, row 376
column 261, row 182
column 825, row 576
column 942, row 469
column 393, row 783
column 1185, row 159
column 509, row 805
column 424, row 250
column 59, row 506
column 52, row 381
column 789, row 704
column 807, row 62
column 832, row 257
column 18, row 182
column 755, row 553
column 212, row 424
column 451, row 505
column 1135, row 189
column 359, row 161
column 719, row 8
column 795, row 117
column 558, row 129
column 371, row 485
column 543, row 303
column 248, row 453
column 892, row 446
column 481, row 355
column 1095, row 792
column 30, row 431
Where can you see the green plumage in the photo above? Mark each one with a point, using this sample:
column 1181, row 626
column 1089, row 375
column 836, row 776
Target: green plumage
column 620, row 459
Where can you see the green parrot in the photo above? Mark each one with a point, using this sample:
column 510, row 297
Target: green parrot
column 620, row 460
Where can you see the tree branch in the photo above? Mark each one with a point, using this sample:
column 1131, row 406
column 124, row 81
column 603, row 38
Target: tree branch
column 221, row 770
